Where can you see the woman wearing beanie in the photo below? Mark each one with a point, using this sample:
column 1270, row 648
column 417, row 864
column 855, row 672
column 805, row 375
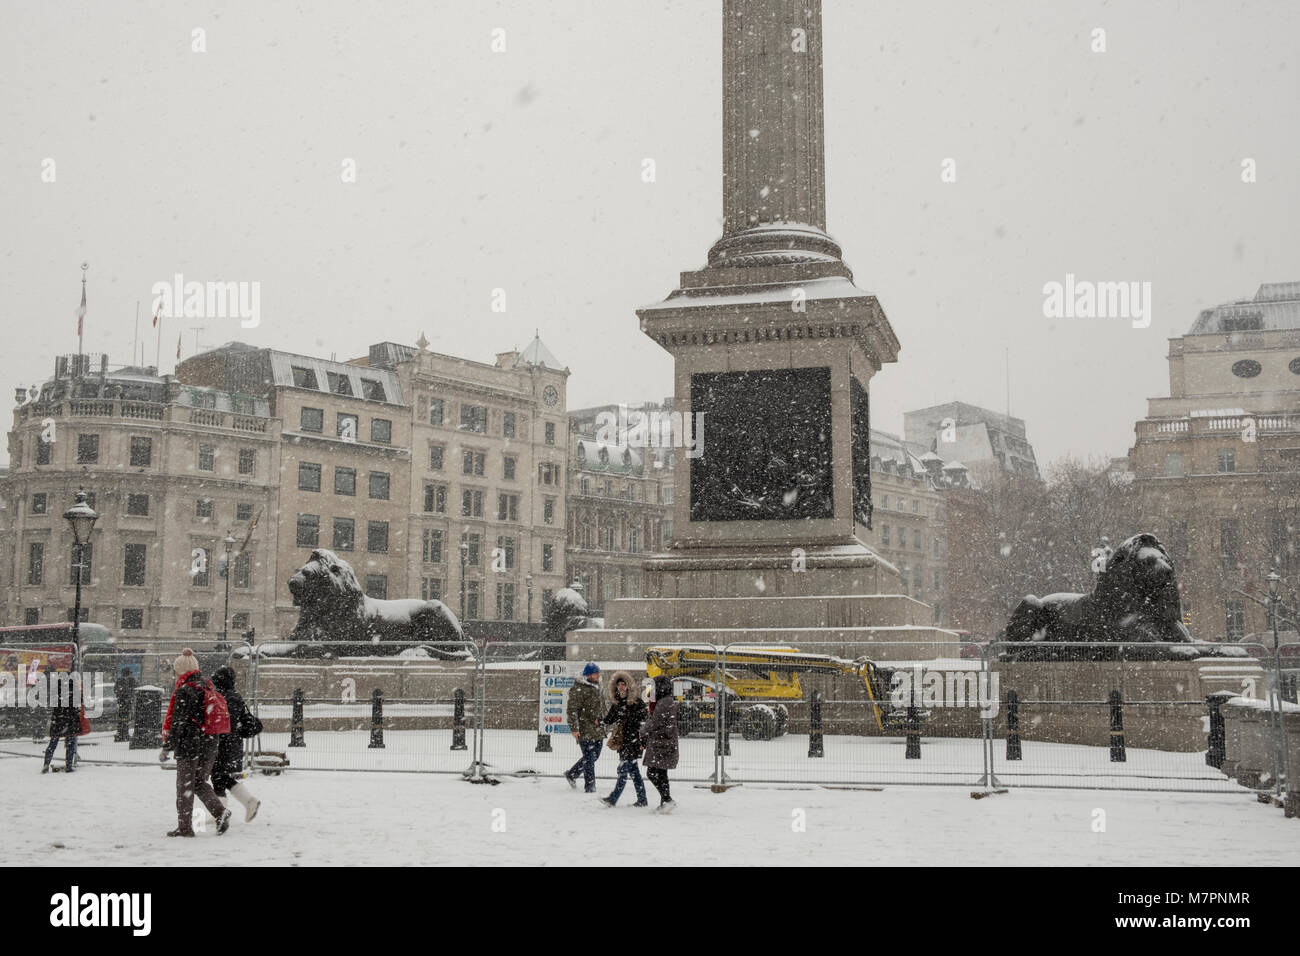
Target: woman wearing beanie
column 660, row 736
column 196, row 752
column 230, row 752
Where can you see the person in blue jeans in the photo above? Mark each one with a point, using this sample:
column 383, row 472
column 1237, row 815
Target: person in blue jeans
column 626, row 714
column 584, row 713
column 65, row 722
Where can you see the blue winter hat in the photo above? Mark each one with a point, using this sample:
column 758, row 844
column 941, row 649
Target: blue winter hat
column 590, row 669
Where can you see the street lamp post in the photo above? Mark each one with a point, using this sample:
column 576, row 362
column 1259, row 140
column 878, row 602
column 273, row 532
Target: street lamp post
column 81, row 518
column 528, row 579
column 225, row 620
column 464, row 559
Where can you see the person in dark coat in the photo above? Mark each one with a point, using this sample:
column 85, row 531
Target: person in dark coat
column 627, row 712
column 196, row 752
column 124, row 694
column 583, row 712
column 65, row 722
column 230, row 751
column 660, row 736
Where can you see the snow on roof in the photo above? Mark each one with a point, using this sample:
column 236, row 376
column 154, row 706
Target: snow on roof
column 1276, row 305
column 538, row 354
column 364, row 382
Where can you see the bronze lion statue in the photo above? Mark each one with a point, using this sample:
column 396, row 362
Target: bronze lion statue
column 1135, row 601
column 334, row 608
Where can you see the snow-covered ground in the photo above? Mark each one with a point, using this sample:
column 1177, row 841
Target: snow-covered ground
column 117, row 814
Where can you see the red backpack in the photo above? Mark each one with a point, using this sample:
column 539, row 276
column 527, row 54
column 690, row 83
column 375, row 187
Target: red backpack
column 216, row 716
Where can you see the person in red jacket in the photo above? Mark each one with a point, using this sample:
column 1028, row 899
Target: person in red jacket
column 196, row 752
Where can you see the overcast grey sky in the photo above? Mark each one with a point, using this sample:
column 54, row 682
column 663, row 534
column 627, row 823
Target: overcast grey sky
column 522, row 171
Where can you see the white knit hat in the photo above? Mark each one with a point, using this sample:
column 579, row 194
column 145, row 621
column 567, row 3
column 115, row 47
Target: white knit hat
column 186, row 663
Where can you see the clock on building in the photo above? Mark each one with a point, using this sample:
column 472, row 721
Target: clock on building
column 549, row 395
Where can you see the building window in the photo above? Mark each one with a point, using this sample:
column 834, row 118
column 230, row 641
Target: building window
column 1235, row 614
column 884, row 535
column 550, row 433
column 1227, row 460
column 548, row 557
column 1174, row 467
column 505, row 602
column 243, row 571
column 199, row 620
column 472, row 463
column 379, row 485
column 1246, row 368
column 471, row 601
column 312, row 420
column 431, row 552
column 884, row 503
column 345, row 534
column 244, row 511
column 85, row 614
column 207, row 457
column 936, row 580
column 340, row 384
column 132, row 618
column 508, row 424
column 435, row 457
column 373, row 390
column 35, row 562
column 87, row 560
column 43, row 449
column 308, row 531
column 133, row 565
column 239, row 622
column 377, row 586
column 345, row 427
column 87, row 449
column 40, row 503
column 916, row 506
column 345, row 481
column 308, row 476
column 507, row 507
column 303, row 377
column 436, row 416
column 247, row 461
column 508, row 467
column 381, row 431
column 203, row 508
column 633, row 540
column 471, row 504
column 472, row 554
column 430, row 589
column 918, row 576
column 377, row 537
column 200, row 573
column 506, row 550
column 1230, row 543
column 548, row 474
column 916, row 539
column 141, row 452
column 435, row 499
column 935, row 543
column 548, row 510
column 473, row 418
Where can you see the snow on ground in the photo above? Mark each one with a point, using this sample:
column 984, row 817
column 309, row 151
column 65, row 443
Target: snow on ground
column 117, row 814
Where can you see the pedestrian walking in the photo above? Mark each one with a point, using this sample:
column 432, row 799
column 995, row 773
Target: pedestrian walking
column 626, row 714
column 230, row 751
column 660, row 736
column 196, row 721
column 67, row 720
column 124, row 694
column 584, row 714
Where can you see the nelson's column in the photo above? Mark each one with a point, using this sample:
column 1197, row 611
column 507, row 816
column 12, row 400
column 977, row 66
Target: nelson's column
column 774, row 343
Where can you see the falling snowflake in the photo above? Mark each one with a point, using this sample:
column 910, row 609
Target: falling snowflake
column 760, row 584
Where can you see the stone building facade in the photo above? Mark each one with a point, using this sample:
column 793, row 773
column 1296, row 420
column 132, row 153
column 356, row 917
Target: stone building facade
column 1217, row 462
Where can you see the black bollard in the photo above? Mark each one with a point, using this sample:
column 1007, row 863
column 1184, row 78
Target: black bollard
column 816, row 747
column 148, row 718
column 913, row 733
column 377, row 720
column 295, row 722
column 458, row 722
column 1117, row 754
column 1013, row 725
column 123, row 720
column 1217, row 745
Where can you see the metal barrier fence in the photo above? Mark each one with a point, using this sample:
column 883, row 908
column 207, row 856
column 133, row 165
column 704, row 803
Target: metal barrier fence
column 855, row 714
